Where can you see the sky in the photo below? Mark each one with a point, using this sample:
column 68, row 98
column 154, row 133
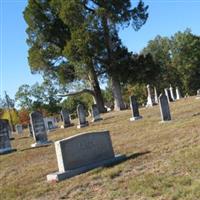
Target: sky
column 166, row 17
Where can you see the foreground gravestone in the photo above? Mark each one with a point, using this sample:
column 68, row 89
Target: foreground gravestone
column 178, row 94
column 83, row 152
column 134, row 109
column 81, row 116
column 150, row 98
column 65, row 118
column 95, row 113
column 164, row 108
column 19, row 128
column 5, row 145
column 38, row 128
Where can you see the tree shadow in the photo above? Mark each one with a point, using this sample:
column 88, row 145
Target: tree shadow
column 21, row 138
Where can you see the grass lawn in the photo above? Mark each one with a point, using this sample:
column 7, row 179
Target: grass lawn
column 163, row 160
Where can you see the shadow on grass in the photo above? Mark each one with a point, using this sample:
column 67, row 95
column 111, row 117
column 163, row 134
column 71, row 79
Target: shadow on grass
column 32, row 148
column 129, row 157
column 8, row 151
column 21, row 138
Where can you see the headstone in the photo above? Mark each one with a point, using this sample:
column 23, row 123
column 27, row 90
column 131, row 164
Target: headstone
column 164, row 108
column 49, row 123
column 155, row 96
column 171, row 93
column 95, row 113
column 150, row 98
column 39, row 130
column 178, row 94
column 83, row 152
column 19, row 128
column 5, row 145
column 81, row 116
column 198, row 94
column 134, row 109
column 65, row 118
column 167, row 93
column 30, row 130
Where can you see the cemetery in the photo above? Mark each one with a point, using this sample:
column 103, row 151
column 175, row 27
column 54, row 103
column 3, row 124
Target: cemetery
column 155, row 158
column 99, row 100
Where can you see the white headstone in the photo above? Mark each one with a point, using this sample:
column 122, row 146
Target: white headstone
column 19, row 128
column 172, row 93
column 178, row 94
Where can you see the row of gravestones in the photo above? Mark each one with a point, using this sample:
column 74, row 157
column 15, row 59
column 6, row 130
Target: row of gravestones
column 163, row 104
column 152, row 97
column 82, row 152
column 82, row 122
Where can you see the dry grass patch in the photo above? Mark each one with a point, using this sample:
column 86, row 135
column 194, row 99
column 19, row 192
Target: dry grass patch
column 163, row 160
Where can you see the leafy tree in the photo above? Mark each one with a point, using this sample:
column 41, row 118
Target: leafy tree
column 24, row 117
column 86, row 38
column 186, row 59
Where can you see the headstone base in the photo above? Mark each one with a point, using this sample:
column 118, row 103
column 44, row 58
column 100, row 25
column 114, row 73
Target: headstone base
column 40, row 144
column 135, row 118
column 96, row 120
column 6, row 150
column 59, row 176
column 82, row 125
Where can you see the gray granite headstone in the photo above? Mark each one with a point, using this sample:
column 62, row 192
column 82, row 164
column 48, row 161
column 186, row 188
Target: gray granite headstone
column 95, row 113
column 164, row 108
column 39, row 130
column 65, row 118
column 19, row 128
column 134, row 109
column 83, row 152
column 81, row 116
column 5, row 145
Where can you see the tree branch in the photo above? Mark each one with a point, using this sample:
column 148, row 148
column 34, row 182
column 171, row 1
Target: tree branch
column 77, row 93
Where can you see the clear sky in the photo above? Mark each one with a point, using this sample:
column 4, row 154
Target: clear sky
column 165, row 18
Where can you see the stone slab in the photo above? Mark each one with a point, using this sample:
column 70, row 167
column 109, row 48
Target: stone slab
column 59, row 176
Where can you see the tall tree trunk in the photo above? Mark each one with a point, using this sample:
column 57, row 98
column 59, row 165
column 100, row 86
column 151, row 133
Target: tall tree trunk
column 115, row 84
column 116, row 90
column 97, row 90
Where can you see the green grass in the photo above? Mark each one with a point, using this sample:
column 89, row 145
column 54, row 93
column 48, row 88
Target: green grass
column 163, row 160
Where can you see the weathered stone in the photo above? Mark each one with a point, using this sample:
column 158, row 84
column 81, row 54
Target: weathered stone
column 168, row 94
column 150, row 98
column 19, row 128
column 164, row 108
column 172, row 93
column 39, row 130
column 5, row 145
column 155, row 96
column 178, row 94
column 134, row 109
column 83, row 152
column 30, row 130
column 49, row 123
column 65, row 118
column 81, row 116
column 198, row 94
column 95, row 113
